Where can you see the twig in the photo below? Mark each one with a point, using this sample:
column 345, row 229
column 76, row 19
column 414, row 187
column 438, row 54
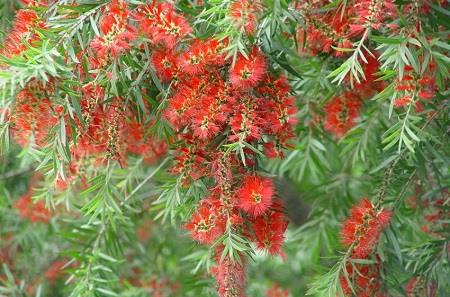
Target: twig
column 17, row 172
column 152, row 174
column 389, row 171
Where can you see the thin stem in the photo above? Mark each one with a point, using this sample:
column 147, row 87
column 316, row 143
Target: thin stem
column 152, row 174
column 16, row 173
column 389, row 171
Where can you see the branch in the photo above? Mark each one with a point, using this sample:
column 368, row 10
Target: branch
column 16, row 173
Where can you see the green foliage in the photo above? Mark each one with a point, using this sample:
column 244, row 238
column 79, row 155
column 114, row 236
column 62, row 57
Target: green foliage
column 397, row 157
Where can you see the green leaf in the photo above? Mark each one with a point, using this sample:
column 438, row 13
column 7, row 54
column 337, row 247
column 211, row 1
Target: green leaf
column 106, row 292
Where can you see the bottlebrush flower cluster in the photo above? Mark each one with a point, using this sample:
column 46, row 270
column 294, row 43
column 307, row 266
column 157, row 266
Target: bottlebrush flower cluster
column 207, row 108
column 34, row 115
column 116, row 34
column 244, row 15
column 161, row 24
column 107, row 129
column 110, row 133
column 328, row 31
column 343, row 110
column 230, row 276
column 208, row 111
column 105, row 132
column 23, row 29
column 365, row 280
column 359, row 233
column 214, row 104
column 362, row 229
column 413, row 86
column 371, row 14
column 341, row 113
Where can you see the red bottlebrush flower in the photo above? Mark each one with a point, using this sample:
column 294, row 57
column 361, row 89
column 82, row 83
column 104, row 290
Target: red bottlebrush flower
column 35, row 2
column 426, row 81
column 204, row 126
column 270, row 150
column 190, row 163
column 115, row 17
column 323, row 32
column 177, row 112
column 341, row 113
column 426, row 94
column 112, row 45
column 201, row 105
column 207, row 223
column 35, row 212
column 200, row 54
column 104, row 134
column 244, row 14
column 32, row 118
column 55, row 271
column 402, row 87
column 407, row 77
column 402, row 101
column 247, row 73
column 371, row 13
column 230, row 277
column 138, row 143
column 363, row 228
column 212, row 110
column 166, row 64
column 162, row 24
column 246, row 123
column 365, row 281
column 23, row 29
column 276, row 291
column 116, row 33
column 255, row 195
column 280, row 108
column 269, row 229
column 194, row 60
